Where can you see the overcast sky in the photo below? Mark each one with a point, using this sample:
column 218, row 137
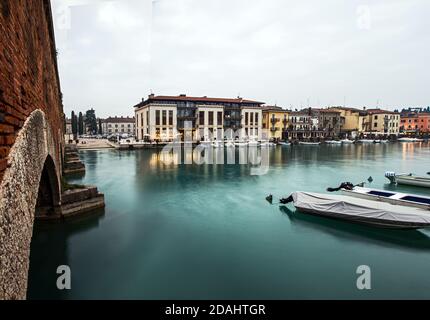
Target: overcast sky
column 290, row 53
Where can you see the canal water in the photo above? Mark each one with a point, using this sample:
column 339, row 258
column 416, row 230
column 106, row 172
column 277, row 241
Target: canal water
column 177, row 231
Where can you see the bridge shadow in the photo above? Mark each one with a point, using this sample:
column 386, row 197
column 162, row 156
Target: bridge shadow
column 350, row 232
column 50, row 249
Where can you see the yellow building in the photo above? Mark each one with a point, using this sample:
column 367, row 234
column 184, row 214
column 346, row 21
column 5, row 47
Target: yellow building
column 275, row 123
column 380, row 122
column 350, row 120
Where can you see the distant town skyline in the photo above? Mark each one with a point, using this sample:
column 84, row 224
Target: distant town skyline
column 114, row 53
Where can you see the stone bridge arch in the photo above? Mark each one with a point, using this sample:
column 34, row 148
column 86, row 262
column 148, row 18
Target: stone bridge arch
column 31, row 179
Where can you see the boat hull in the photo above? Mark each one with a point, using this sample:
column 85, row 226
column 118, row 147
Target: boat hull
column 413, row 181
column 350, row 209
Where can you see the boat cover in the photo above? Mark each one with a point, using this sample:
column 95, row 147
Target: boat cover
column 338, row 206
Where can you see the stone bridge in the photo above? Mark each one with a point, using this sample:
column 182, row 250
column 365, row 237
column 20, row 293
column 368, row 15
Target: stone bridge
column 31, row 133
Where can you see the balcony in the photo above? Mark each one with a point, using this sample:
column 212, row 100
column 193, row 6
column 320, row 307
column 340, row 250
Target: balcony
column 274, row 120
column 274, row 129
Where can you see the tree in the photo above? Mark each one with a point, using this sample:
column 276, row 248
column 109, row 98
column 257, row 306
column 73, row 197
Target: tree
column 100, row 127
column 74, row 120
column 91, row 121
column 81, row 124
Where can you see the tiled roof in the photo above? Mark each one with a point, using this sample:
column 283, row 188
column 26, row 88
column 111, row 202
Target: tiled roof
column 197, row 99
column 380, row 111
column 119, row 120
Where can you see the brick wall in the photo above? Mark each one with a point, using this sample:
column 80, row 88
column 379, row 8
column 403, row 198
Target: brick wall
column 28, row 71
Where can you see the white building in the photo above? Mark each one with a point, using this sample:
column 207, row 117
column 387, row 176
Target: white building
column 199, row 118
column 119, row 125
column 252, row 124
column 210, row 123
column 156, row 122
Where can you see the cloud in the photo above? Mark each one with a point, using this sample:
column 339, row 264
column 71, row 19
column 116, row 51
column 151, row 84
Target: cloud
column 115, row 52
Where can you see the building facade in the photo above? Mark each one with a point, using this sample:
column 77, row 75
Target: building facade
column 379, row 122
column 197, row 118
column 314, row 124
column 119, row 125
column 275, row 122
column 415, row 123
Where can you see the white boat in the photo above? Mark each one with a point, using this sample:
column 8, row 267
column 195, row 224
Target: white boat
column 333, row 142
column 374, row 213
column 229, row 144
column 367, row 141
column 281, row 143
column 241, row 144
column 253, row 143
column 218, row 144
column 309, row 143
column 405, row 139
column 395, row 198
column 347, row 141
column 408, row 179
column 267, row 144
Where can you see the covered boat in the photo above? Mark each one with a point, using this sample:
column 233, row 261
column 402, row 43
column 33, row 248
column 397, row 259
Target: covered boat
column 379, row 214
column 396, row 198
column 408, row 179
column 282, row 143
column 347, row 141
column 305, row 143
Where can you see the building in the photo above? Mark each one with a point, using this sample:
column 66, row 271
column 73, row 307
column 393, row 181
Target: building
column 314, row 124
column 412, row 122
column 350, row 119
column 202, row 118
column 275, row 122
column 379, row 122
column 119, row 125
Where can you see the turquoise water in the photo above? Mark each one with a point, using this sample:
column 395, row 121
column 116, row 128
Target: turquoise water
column 206, row 231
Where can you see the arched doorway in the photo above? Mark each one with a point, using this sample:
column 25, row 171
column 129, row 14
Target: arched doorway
column 48, row 199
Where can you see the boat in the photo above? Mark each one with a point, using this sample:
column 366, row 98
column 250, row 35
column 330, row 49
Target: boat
column 405, row 139
column 253, row 143
column 408, row 179
column 229, row 144
column 351, row 209
column 395, row 198
column 368, row 141
column 218, row 144
column 241, row 144
column 347, row 141
column 281, row 143
column 309, row 143
column 267, row 144
column 333, row 142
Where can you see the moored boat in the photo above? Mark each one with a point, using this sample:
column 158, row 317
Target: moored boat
column 373, row 213
column 395, row 198
column 368, row 141
column 282, row 143
column 267, row 144
column 406, row 139
column 241, row 144
column 305, row 143
column 347, row 141
column 333, row 142
column 253, row 143
column 408, row 179
column 218, row 144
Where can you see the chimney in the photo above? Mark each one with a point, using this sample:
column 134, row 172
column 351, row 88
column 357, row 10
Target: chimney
column 151, row 96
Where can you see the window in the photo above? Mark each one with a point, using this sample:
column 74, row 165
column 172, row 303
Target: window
column 246, row 118
column 375, row 124
column 219, row 118
column 256, row 118
column 171, row 117
column 251, row 118
column 376, row 117
column 164, row 117
column 211, row 118
column 201, row 118
column 157, row 117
